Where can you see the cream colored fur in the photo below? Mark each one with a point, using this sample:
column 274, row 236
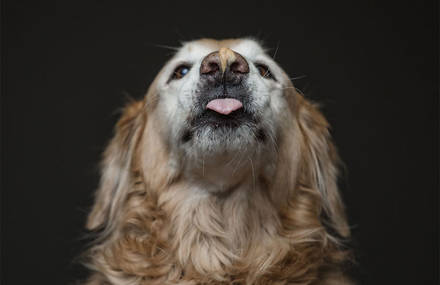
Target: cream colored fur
column 236, row 212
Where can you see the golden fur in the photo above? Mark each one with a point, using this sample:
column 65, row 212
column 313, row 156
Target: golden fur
column 153, row 231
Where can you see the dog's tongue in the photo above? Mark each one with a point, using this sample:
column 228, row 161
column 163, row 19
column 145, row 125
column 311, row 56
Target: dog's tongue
column 224, row 106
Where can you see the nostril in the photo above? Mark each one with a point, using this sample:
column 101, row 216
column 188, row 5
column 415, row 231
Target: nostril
column 210, row 64
column 209, row 67
column 235, row 67
column 239, row 65
column 226, row 60
column 213, row 67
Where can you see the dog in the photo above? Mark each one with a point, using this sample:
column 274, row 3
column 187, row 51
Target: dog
column 222, row 174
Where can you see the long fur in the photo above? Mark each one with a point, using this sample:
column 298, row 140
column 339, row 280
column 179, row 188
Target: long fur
column 153, row 229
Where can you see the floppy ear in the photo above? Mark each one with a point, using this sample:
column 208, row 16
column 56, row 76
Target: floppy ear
column 116, row 168
column 320, row 164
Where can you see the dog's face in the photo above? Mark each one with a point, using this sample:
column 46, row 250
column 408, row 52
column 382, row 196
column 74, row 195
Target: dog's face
column 220, row 98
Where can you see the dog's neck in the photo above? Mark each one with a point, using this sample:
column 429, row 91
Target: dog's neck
column 223, row 173
column 222, row 217
column 222, row 214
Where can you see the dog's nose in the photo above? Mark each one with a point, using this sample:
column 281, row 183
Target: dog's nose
column 226, row 64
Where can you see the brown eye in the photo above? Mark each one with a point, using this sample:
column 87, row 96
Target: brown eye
column 181, row 71
column 264, row 71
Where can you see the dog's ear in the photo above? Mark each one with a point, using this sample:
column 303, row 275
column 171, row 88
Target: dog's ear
column 116, row 168
column 320, row 165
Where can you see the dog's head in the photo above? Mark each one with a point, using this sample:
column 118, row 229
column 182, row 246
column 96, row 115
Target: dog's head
column 221, row 97
column 220, row 100
column 221, row 114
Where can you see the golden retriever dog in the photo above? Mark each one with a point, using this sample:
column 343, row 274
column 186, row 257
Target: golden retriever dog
column 223, row 174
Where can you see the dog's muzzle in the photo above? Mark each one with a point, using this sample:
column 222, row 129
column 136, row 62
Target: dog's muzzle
column 224, row 96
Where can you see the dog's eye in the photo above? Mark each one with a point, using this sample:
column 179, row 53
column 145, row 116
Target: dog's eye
column 264, row 71
column 181, row 71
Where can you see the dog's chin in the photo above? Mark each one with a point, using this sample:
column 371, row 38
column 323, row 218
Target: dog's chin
column 215, row 135
column 224, row 139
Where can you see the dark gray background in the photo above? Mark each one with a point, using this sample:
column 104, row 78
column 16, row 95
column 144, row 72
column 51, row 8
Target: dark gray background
column 66, row 67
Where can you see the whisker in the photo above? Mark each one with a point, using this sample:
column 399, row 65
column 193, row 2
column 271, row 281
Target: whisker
column 253, row 173
column 240, row 158
column 274, row 143
column 298, row 77
column 289, row 87
column 167, row 47
column 292, row 87
column 299, row 91
column 276, row 50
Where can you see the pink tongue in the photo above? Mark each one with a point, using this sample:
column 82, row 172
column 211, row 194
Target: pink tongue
column 224, row 106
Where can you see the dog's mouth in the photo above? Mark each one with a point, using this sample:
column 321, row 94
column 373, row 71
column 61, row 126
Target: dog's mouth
column 223, row 116
column 224, row 106
column 224, row 113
